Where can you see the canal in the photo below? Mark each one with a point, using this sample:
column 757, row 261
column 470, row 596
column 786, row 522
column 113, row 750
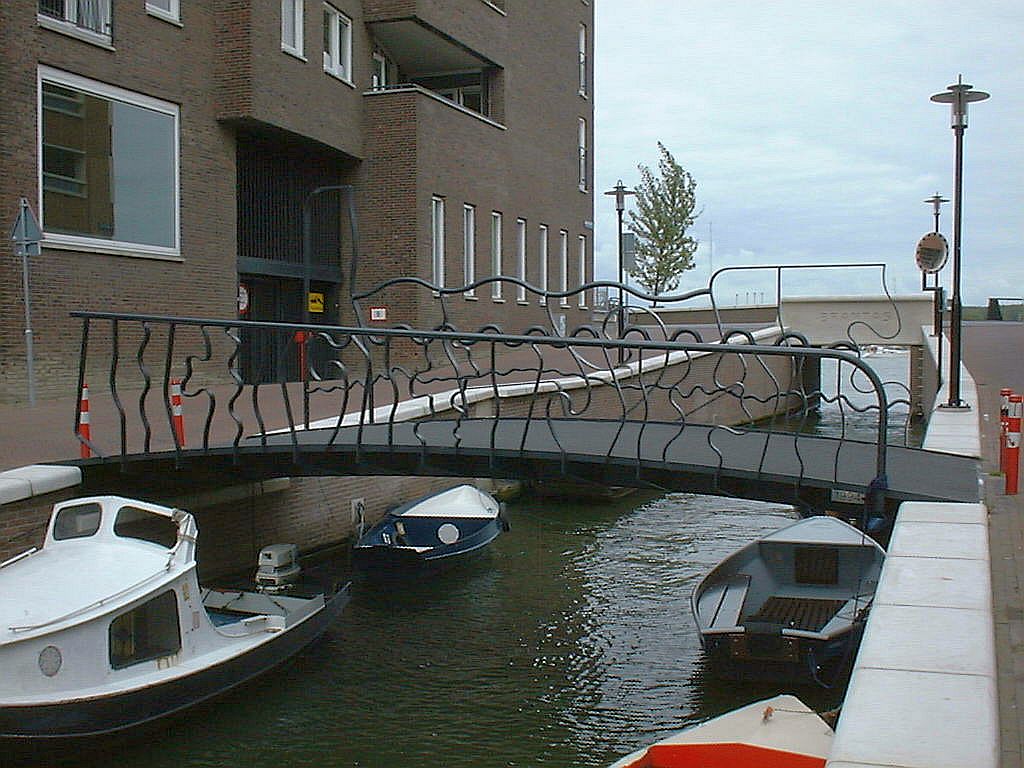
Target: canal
column 570, row 643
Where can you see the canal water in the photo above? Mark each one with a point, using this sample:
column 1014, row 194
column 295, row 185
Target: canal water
column 570, row 643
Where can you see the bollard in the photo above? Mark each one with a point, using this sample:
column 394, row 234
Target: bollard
column 1004, row 412
column 1013, row 444
column 84, row 429
column 177, row 416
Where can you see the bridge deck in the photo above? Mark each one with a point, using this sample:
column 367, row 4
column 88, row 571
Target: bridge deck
column 702, row 459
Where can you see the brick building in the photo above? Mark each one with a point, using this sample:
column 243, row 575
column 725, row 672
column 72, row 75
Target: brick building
column 170, row 148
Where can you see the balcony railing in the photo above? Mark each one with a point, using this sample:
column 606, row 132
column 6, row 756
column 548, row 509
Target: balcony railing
column 88, row 15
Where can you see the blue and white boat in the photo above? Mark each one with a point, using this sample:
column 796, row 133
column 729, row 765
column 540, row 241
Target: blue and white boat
column 430, row 534
column 105, row 627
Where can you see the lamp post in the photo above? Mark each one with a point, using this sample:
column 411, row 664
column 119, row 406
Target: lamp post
column 936, row 202
column 958, row 96
column 620, row 192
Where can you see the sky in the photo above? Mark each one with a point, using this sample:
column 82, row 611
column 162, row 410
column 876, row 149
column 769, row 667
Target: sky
column 809, row 130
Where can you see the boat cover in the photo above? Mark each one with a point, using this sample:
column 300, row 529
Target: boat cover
column 460, row 501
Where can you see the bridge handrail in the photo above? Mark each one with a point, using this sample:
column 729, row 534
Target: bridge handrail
column 790, row 345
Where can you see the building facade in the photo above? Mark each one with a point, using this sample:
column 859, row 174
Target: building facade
column 172, row 148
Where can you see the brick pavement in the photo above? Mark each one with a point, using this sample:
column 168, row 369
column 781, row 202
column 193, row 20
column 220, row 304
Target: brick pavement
column 985, row 352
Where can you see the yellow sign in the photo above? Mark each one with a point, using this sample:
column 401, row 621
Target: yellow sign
column 316, row 302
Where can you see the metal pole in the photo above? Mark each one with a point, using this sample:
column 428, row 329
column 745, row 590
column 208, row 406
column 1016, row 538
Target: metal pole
column 622, row 318
column 957, row 318
column 29, row 355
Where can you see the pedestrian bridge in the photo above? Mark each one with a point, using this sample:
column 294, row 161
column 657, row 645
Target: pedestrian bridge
column 732, row 414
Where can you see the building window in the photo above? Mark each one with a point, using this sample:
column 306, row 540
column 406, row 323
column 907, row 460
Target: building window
column 563, row 266
column 469, row 247
column 149, row 631
column 292, row 18
column 496, row 269
column 89, row 16
column 337, row 43
column 583, row 59
column 168, row 10
column 109, row 167
column 583, row 270
column 437, row 240
column 467, row 89
column 542, row 257
column 521, row 258
column 379, row 79
column 582, row 141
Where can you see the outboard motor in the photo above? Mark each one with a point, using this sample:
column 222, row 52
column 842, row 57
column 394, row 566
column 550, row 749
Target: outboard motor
column 278, row 568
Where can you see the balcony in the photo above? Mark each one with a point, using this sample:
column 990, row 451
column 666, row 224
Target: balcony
column 89, row 20
column 446, row 30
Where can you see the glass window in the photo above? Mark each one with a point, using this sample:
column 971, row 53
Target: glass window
column 109, row 167
column 77, row 522
column 337, row 43
column 291, row 26
column 135, row 523
column 90, row 15
column 496, row 268
column 437, row 240
column 563, row 266
column 380, row 72
column 583, row 270
column 469, row 246
column 168, row 9
column 150, row 631
column 542, row 259
column 582, row 141
column 583, row 59
column 521, row 257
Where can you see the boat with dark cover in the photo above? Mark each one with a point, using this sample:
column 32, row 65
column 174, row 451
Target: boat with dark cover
column 430, row 534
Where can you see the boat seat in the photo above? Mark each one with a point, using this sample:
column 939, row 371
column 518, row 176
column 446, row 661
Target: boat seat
column 730, row 604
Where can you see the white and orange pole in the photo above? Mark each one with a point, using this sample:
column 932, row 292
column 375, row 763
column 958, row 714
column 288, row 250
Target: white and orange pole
column 1013, row 444
column 177, row 415
column 1004, row 414
column 84, row 427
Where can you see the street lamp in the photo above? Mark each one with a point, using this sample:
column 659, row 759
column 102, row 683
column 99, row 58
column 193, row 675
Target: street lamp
column 936, row 202
column 620, row 192
column 958, row 96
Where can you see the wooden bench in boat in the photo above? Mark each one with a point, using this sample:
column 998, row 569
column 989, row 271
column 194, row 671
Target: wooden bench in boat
column 726, row 616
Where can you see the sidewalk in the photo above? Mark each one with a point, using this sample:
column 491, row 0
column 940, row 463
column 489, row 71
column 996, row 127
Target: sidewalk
column 993, row 354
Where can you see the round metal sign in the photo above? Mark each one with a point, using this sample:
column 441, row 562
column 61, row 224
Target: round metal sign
column 932, row 252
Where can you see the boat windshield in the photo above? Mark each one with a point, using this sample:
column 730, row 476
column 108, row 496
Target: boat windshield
column 134, row 523
column 77, row 522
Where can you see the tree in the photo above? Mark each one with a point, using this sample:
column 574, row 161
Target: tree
column 663, row 214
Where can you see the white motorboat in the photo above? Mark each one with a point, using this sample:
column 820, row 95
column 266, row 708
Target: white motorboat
column 791, row 605
column 105, row 627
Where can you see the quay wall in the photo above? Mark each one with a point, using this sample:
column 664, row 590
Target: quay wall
column 923, row 692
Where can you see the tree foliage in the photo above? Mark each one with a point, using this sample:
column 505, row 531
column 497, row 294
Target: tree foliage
column 663, row 214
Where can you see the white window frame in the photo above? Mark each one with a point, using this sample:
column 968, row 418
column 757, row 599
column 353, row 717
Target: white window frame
column 583, row 59
column 521, row 259
column 437, row 240
column 582, row 240
column 338, row 60
column 469, row 248
column 496, row 268
column 563, row 266
column 171, row 13
column 542, row 257
column 581, row 131
column 112, row 93
column 297, row 10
